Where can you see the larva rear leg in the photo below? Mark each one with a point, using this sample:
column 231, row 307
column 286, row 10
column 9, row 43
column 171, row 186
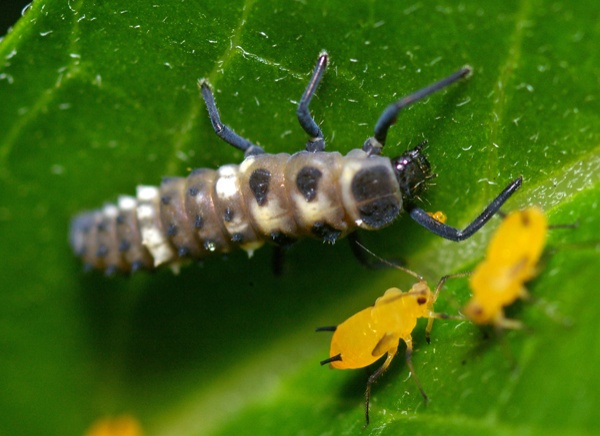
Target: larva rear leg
column 374, row 144
column 222, row 131
column 316, row 141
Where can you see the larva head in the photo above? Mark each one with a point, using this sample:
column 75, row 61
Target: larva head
column 412, row 170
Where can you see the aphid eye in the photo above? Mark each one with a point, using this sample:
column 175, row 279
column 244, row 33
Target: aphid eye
column 422, row 300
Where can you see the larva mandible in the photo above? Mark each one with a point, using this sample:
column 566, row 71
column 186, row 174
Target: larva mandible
column 275, row 198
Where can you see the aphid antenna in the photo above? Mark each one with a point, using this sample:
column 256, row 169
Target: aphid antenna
column 433, row 316
column 391, row 264
column 564, row 226
column 443, row 280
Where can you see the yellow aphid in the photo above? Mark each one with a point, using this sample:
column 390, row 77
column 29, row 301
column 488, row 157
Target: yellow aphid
column 511, row 260
column 439, row 216
column 124, row 425
column 376, row 331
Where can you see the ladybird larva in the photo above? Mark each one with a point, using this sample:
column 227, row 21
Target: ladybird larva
column 275, row 198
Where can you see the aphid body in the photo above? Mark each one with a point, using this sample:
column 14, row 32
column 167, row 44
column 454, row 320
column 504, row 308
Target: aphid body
column 268, row 198
column 511, row 260
column 376, row 331
column 124, row 425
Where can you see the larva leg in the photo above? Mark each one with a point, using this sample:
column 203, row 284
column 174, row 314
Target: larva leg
column 316, row 141
column 409, row 351
column 388, row 117
column 278, row 260
column 224, row 132
column 448, row 232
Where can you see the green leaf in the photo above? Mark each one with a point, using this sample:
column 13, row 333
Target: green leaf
column 98, row 97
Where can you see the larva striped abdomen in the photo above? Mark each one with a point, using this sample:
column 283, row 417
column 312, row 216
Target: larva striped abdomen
column 267, row 198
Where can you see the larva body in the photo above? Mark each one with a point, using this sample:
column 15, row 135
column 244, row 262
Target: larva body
column 267, row 198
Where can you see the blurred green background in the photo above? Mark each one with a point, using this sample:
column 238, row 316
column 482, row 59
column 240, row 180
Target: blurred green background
column 98, row 98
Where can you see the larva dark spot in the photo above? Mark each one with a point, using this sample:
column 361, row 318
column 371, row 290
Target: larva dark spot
column 228, row 215
column 165, row 199
column 137, row 265
column 172, row 230
column 198, row 222
column 101, row 226
column 326, row 232
column 193, row 191
column 102, row 251
column 124, row 245
column 238, row 238
column 259, row 185
column 372, row 182
column 307, row 182
column 120, row 219
column 374, row 191
column 379, row 213
column 167, row 179
column 183, row 251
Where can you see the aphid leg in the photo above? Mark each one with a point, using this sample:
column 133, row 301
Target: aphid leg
column 222, row 131
column 449, row 232
column 409, row 350
column 564, row 226
column 502, row 323
column 438, row 288
column 316, row 141
column 373, row 378
column 390, row 114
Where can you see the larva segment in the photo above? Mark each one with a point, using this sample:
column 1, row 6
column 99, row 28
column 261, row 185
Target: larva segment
column 201, row 212
column 267, row 198
column 313, row 180
column 135, row 255
column 265, row 187
column 173, row 216
column 370, row 190
column 230, row 207
column 107, row 245
column 154, row 237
